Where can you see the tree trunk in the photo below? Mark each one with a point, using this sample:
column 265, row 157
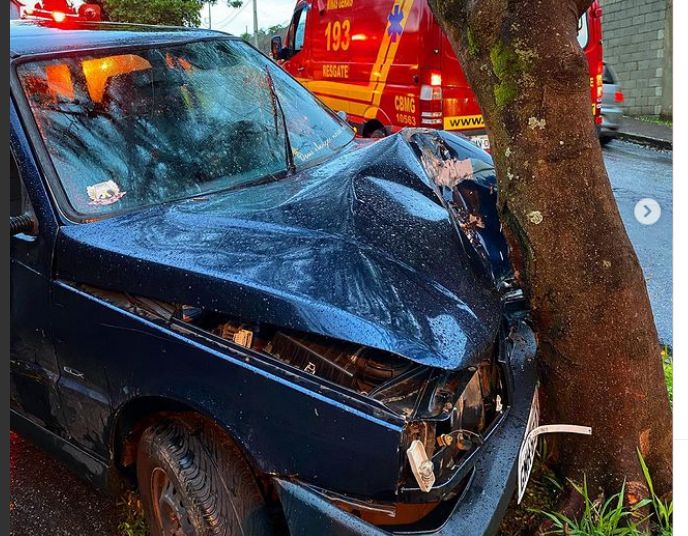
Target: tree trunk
column 599, row 351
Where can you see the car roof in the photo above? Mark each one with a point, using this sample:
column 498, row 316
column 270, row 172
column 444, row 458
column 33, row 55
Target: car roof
column 34, row 36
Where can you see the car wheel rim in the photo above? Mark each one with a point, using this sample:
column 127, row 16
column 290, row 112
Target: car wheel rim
column 171, row 516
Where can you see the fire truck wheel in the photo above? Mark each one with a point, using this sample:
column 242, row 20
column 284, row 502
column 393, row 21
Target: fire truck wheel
column 374, row 129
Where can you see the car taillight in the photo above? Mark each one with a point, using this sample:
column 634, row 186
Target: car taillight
column 619, row 96
column 430, row 93
column 436, row 79
column 58, row 16
column 430, row 106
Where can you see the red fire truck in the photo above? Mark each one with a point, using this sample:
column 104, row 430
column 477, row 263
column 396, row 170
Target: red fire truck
column 388, row 64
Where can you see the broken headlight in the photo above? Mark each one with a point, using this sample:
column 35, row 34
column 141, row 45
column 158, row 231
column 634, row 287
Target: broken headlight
column 452, row 418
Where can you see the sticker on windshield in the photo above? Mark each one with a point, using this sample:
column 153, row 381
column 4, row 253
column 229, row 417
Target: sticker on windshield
column 104, row 193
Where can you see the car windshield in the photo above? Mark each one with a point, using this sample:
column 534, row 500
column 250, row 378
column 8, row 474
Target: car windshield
column 133, row 129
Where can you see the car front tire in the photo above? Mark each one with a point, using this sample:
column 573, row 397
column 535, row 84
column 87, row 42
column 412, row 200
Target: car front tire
column 194, row 481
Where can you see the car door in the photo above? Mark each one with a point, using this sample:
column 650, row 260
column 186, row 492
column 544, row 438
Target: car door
column 89, row 346
column 75, row 368
column 34, row 371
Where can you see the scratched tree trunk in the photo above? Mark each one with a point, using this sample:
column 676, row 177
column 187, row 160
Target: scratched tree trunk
column 599, row 351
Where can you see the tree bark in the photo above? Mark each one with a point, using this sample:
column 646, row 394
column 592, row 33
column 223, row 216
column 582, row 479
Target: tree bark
column 599, row 351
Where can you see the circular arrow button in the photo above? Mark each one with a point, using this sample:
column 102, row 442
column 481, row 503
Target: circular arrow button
column 647, row 211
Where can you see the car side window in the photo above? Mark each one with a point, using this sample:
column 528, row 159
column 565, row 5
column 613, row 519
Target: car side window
column 296, row 34
column 300, row 34
column 608, row 75
column 583, row 31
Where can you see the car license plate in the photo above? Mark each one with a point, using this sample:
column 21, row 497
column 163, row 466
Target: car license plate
column 526, row 456
column 481, row 141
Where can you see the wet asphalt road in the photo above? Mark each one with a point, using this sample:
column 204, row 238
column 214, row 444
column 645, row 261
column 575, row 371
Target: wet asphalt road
column 46, row 499
column 637, row 172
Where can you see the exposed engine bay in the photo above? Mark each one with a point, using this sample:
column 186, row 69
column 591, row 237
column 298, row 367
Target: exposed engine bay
column 448, row 413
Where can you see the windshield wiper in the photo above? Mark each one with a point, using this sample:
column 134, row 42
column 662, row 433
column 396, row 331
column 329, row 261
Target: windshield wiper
column 276, row 105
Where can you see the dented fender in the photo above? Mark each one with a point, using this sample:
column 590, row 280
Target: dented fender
column 465, row 180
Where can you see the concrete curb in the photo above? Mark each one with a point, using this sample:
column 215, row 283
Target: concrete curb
column 656, row 143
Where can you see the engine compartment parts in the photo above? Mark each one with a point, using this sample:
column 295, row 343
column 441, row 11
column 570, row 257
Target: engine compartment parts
column 448, row 413
column 421, row 466
column 236, row 333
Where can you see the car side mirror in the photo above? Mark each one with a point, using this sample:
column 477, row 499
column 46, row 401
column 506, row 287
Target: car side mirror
column 21, row 224
column 275, row 47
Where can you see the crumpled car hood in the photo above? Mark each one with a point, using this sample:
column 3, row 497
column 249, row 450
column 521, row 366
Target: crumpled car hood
column 360, row 248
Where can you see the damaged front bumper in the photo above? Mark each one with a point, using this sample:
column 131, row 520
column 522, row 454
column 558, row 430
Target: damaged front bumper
column 490, row 476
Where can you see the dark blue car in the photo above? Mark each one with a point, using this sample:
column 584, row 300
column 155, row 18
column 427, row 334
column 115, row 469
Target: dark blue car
column 221, row 296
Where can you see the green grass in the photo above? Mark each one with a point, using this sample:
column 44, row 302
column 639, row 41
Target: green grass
column 599, row 518
column 612, row 517
column 662, row 510
column 656, row 120
column 668, row 362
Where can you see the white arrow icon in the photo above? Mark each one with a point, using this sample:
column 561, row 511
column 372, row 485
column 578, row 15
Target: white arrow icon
column 647, row 211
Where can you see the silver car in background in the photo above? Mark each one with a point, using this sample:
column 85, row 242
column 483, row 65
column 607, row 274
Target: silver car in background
column 612, row 98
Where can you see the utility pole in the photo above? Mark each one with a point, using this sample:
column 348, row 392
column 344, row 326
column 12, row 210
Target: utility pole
column 255, row 23
column 210, row 18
